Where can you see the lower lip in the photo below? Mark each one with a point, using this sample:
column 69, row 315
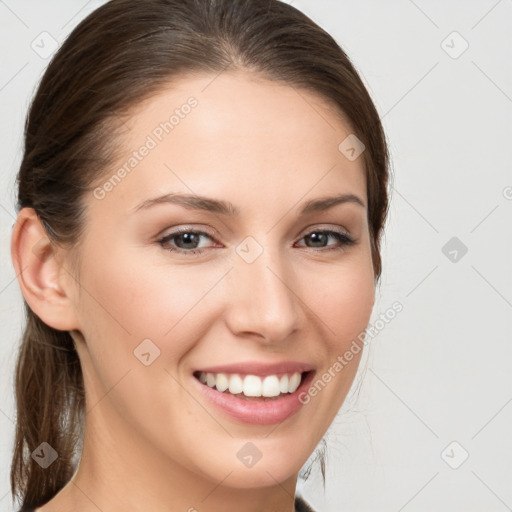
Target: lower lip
column 254, row 412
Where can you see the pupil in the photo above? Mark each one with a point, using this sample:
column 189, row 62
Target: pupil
column 318, row 239
column 189, row 238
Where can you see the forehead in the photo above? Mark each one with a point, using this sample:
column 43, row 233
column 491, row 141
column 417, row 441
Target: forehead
column 237, row 135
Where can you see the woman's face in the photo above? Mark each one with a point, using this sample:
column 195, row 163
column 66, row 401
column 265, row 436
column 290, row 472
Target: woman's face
column 269, row 286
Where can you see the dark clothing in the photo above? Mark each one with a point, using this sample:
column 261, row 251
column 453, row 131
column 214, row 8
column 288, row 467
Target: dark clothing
column 300, row 506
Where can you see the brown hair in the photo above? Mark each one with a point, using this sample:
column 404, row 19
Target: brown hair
column 126, row 51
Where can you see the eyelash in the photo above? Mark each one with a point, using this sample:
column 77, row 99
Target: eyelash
column 344, row 239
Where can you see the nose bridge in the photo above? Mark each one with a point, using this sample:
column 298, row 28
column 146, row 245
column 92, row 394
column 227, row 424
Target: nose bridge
column 263, row 301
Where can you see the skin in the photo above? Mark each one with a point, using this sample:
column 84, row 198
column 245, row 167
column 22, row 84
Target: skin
column 152, row 441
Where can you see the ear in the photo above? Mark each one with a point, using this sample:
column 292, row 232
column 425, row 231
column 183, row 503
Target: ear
column 46, row 285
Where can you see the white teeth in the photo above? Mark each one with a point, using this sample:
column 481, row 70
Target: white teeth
column 270, row 386
column 283, row 384
column 252, row 385
column 210, row 379
column 294, row 382
column 235, row 385
column 222, row 382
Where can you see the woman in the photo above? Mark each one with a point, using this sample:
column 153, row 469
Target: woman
column 201, row 199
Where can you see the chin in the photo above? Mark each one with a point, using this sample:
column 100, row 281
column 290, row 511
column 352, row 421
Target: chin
column 270, row 465
column 259, row 476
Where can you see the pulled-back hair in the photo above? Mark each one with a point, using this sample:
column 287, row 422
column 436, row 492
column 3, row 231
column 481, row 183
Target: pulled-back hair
column 123, row 53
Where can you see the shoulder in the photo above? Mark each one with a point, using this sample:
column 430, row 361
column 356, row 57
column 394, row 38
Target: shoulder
column 301, row 505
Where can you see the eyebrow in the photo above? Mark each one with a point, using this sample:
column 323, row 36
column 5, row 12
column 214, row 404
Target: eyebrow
column 195, row 202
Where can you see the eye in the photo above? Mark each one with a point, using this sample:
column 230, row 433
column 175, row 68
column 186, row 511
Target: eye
column 320, row 237
column 187, row 241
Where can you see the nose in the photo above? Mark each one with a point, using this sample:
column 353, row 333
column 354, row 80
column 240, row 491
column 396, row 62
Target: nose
column 263, row 302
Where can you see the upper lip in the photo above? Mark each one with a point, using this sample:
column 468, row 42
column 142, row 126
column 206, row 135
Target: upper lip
column 259, row 369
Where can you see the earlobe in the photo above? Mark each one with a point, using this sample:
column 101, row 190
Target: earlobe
column 40, row 274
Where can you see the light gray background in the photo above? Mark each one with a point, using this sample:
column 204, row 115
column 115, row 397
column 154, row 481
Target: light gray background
column 441, row 371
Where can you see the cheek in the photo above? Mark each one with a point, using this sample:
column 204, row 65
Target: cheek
column 128, row 303
column 345, row 301
column 131, row 299
column 344, row 308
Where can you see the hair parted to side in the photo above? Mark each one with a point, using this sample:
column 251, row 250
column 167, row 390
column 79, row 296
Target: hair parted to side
column 124, row 52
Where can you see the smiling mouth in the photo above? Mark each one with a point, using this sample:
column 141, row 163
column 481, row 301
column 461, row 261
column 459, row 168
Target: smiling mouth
column 253, row 387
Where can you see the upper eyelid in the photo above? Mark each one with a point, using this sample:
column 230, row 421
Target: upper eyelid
column 179, row 231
